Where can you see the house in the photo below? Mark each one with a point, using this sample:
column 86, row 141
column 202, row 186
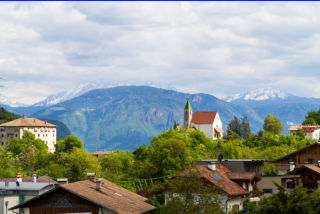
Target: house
column 16, row 190
column 88, row 196
column 41, row 129
column 312, row 132
column 307, row 155
column 239, row 165
column 309, row 176
column 208, row 122
column 235, row 186
column 99, row 154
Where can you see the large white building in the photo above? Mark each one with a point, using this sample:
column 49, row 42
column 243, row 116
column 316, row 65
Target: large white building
column 41, row 129
column 208, row 122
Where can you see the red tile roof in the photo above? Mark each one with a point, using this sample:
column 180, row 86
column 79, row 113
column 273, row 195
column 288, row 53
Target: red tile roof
column 221, row 172
column 204, row 117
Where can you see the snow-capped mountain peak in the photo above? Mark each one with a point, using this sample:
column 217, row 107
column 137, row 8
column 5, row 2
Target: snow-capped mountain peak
column 259, row 95
column 6, row 101
column 67, row 95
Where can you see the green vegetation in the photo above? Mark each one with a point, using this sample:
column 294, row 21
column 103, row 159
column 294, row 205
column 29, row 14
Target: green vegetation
column 312, row 118
column 6, row 116
column 147, row 169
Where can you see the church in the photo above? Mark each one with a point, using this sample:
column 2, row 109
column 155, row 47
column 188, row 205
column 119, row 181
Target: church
column 208, row 122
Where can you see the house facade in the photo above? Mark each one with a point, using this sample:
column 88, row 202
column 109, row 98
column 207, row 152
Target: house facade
column 41, row 129
column 310, row 131
column 208, row 122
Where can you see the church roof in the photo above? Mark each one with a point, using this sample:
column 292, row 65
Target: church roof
column 188, row 106
column 204, row 117
column 27, row 122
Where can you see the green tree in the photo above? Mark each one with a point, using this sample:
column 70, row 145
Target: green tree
column 78, row 163
column 195, row 195
column 68, row 144
column 235, row 126
column 245, row 128
column 312, row 118
column 272, row 124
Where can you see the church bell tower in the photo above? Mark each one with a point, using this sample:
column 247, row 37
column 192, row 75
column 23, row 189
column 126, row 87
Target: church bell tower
column 187, row 115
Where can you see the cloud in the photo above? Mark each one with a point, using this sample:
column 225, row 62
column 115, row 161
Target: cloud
column 213, row 47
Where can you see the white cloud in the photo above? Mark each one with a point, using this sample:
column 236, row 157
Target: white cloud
column 214, row 47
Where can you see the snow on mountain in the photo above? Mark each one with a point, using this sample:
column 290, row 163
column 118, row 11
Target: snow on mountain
column 67, row 95
column 259, row 95
column 6, row 101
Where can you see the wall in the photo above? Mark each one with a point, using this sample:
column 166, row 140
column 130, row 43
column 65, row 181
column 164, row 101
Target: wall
column 13, row 200
column 47, row 134
column 266, row 182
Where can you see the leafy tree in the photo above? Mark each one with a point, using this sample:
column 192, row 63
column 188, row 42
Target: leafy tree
column 235, row 125
column 78, row 163
column 195, row 195
column 68, row 144
column 299, row 200
column 231, row 135
column 272, row 124
column 312, row 118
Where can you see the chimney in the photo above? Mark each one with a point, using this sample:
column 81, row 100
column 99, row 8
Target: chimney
column 18, row 177
column 318, row 163
column 292, row 166
column 34, row 178
column 62, row 180
column 91, row 176
column 212, row 166
column 98, row 184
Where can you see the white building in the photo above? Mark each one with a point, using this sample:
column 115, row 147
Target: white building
column 310, row 131
column 208, row 122
column 41, row 129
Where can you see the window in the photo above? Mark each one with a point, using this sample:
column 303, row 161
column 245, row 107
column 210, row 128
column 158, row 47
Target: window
column 309, row 160
column 2, row 135
column 16, row 135
column 235, row 208
column 267, row 191
column 38, row 135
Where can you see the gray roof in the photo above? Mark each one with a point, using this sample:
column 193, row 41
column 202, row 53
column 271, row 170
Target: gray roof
column 23, row 186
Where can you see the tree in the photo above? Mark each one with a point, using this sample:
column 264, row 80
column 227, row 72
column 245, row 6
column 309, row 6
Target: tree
column 245, row 130
column 78, row 163
column 195, row 195
column 235, row 126
column 300, row 200
column 312, row 118
column 231, row 135
column 68, row 144
column 272, row 124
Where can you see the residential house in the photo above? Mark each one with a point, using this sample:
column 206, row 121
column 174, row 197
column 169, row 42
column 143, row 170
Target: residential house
column 16, row 190
column 89, row 196
column 310, row 131
column 307, row 155
column 208, row 122
column 235, row 187
column 309, row 176
column 41, row 129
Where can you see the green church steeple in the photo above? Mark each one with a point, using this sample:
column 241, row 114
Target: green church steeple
column 188, row 106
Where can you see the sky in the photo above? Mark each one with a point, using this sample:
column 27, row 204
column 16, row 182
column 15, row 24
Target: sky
column 220, row 48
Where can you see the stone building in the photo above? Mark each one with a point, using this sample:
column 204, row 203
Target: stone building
column 41, row 129
column 208, row 122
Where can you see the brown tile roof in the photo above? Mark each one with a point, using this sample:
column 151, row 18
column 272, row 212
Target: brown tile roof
column 223, row 182
column 311, row 167
column 41, row 179
column 243, row 176
column 110, row 196
column 101, row 152
column 27, row 122
column 204, row 117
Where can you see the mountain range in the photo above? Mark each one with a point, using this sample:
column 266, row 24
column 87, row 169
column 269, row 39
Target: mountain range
column 127, row 116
